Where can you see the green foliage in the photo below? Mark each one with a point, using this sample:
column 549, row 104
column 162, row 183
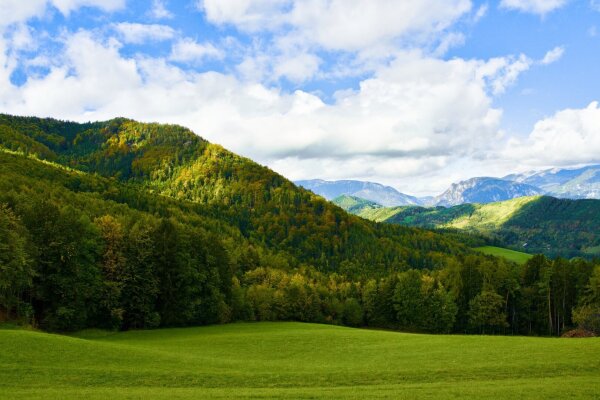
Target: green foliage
column 486, row 312
column 16, row 269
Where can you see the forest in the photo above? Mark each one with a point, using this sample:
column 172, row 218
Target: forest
column 122, row 225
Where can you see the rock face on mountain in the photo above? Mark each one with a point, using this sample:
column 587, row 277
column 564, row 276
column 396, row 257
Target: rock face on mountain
column 485, row 190
column 384, row 195
column 580, row 183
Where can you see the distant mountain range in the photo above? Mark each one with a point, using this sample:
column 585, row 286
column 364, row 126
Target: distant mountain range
column 484, row 190
column 580, row 183
column 383, row 195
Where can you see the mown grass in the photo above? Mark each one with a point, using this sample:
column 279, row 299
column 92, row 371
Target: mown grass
column 293, row 360
column 512, row 255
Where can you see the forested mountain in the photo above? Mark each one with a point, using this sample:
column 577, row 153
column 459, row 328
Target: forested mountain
column 264, row 206
column 126, row 225
column 555, row 227
column 376, row 192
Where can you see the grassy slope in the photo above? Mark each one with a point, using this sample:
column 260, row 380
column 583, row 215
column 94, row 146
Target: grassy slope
column 293, row 360
column 512, row 255
column 490, row 216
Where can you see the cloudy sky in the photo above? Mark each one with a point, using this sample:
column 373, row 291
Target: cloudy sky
column 416, row 94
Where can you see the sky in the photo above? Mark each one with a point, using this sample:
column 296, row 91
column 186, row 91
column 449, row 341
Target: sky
column 415, row 94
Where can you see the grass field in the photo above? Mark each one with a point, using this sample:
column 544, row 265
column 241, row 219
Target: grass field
column 293, row 360
column 512, row 255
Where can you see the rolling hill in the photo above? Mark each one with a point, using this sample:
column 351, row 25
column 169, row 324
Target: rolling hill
column 293, row 360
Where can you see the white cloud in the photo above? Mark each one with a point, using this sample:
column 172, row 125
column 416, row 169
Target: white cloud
column 502, row 72
column 540, row 7
column 14, row 11
column 188, row 50
column 297, row 68
column 159, row 10
column 481, row 12
column 339, row 24
column 569, row 137
column 140, row 33
column 67, row 6
column 450, row 40
column 553, row 55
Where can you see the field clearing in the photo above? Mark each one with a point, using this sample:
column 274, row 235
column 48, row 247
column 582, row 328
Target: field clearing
column 512, row 255
column 293, row 360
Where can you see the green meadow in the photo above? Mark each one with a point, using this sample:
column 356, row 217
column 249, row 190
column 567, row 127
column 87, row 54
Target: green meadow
column 293, row 360
column 512, row 255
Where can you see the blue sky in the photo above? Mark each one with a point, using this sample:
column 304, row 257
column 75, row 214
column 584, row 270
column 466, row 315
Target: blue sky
column 414, row 94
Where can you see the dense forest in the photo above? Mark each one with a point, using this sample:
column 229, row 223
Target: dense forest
column 123, row 225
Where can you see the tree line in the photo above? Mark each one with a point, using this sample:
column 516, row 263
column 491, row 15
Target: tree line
column 63, row 271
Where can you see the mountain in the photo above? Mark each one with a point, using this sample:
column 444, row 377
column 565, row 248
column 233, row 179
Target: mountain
column 484, row 190
column 384, row 195
column 579, row 183
column 538, row 224
column 267, row 209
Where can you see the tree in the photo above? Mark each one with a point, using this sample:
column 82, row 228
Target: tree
column 140, row 284
column 16, row 268
column 114, row 264
column 486, row 312
column 408, row 299
column 353, row 312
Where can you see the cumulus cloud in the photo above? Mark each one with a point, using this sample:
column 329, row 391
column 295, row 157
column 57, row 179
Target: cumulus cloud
column 553, row 55
column 339, row 24
column 139, row 33
column 540, row 7
column 570, row 136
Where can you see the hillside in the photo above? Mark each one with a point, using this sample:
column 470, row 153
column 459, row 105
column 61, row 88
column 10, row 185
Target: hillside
column 293, row 360
column 264, row 206
column 555, row 227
